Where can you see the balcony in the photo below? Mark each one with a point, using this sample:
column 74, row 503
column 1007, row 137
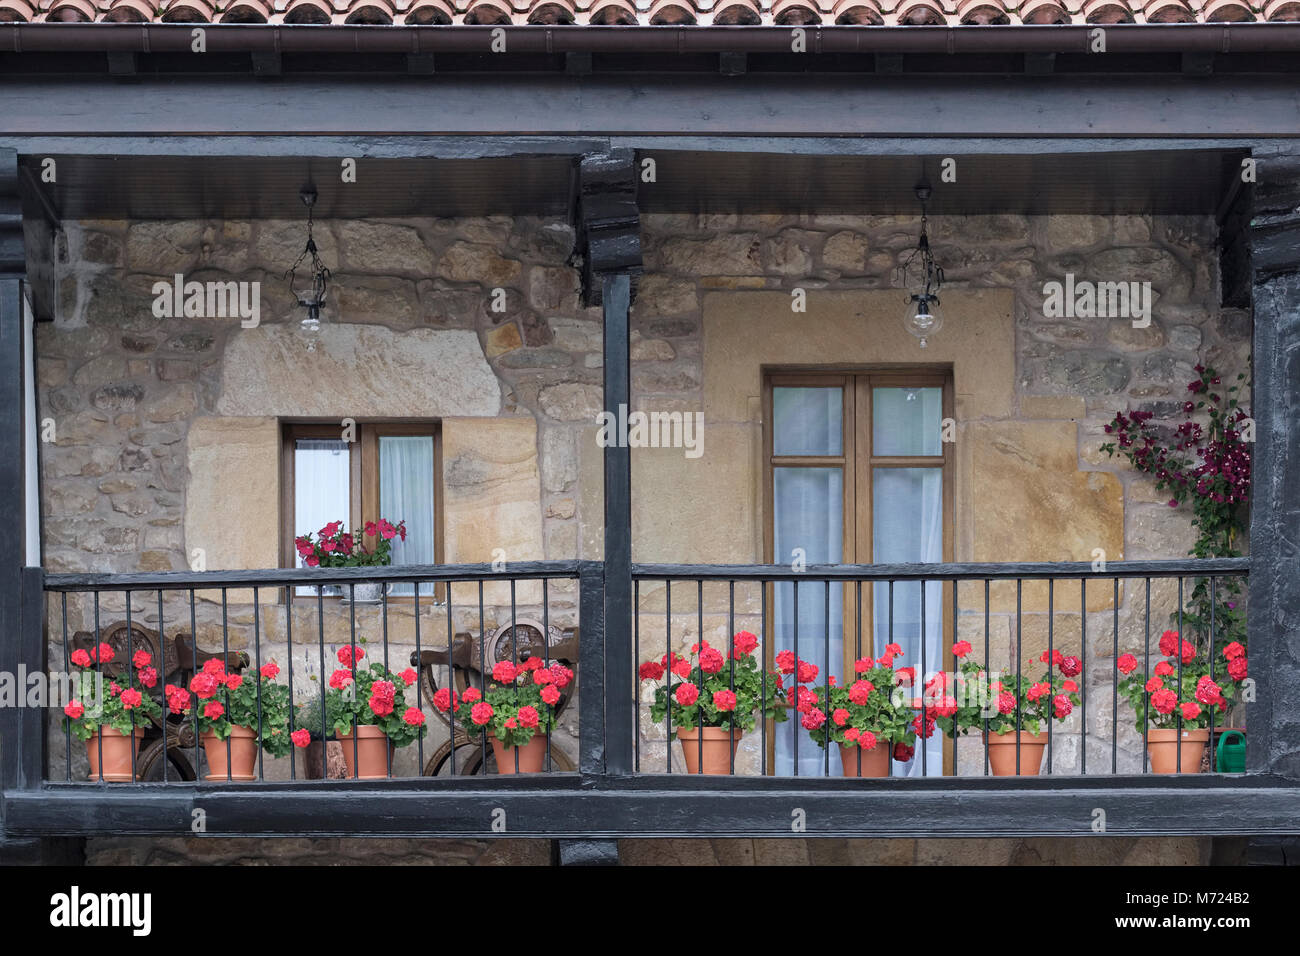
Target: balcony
column 614, row 776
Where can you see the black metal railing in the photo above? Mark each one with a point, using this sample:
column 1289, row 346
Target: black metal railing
column 449, row 629
column 860, row 607
column 479, row 614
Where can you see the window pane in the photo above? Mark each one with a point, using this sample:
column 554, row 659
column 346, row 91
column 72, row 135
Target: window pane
column 406, row 494
column 907, row 527
column 809, row 504
column 906, row 421
column 321, row 487
column 807, row 421
column 320, row 484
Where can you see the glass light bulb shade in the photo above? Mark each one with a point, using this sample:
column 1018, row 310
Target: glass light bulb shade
column 922, row 317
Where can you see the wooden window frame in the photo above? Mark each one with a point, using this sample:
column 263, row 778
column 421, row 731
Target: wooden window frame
column 857, row 459
column 363, row 474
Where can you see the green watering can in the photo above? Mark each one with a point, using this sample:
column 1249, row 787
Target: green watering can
column 1231, row 753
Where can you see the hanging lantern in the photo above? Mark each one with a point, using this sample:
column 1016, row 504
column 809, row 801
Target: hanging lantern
column 310, row 296
column 922, row 276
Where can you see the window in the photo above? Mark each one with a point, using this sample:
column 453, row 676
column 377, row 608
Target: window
column 857, row 473
column 390, row 470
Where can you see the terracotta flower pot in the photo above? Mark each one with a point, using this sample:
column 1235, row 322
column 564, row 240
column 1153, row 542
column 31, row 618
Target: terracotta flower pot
column 718, row 749
column 372, row 750
column 1002, row 753
column 875, row 762
column 243, row 754
column 118, row 750
column 532, row 755
column 1163, row 747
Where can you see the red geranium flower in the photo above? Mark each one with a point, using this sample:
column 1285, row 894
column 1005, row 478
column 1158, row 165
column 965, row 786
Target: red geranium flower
column 724, row 700
column 862, row 665
column 840, row 716
column 214, row 666
column 339, row 679
column 561, row 675
column 851, row 734
column 301, row 738
column 1062, row 706
column 1165, row 669
column 905, row 676
column 1154, row 684
column 682, row 668
column 141, row 659
column 903, row 752
column 408, row 676
column 785, row 662
column 149, row 676
column 860, row 690
column 271, row 671
column 1071, row 666
column 234, row 681
column 445, row 699
column 81, row 658
column 213, row 709
column 1164, row 701
column 961, row 648
column 550, row 695
column 105, row 653
column 528, row 716
column 471, row 694
column 543, row 676
column 1191, row 710
column 74, row 709
column 204, row 685
column 1237, row 668
column 650, row 671
column 1169, row 643
column 348, row 656
column 867, row 740
column 687, row 694
column 744, row 643
column 504, row 672
column 481, row 713
column 711, row 660
column 1127, row 663
column 414, row 716
column 1006, row 702
column 813, row 719
column 1233, row 650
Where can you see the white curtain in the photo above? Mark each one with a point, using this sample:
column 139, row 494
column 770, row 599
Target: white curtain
column 907, row 527
column 321, row 491
column 406, row 494
column 809, row 516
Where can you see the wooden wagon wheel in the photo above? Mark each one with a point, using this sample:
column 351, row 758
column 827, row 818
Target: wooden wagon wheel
column 149, row 763
column 469, row 758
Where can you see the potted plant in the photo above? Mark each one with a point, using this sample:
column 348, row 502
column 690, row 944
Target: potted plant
column 870, row 720
column 1012, row 711
column 1177, row 702
column 712, row 705
column 111, row 724
column 516, row 710
column 231, row 708
column 334, row 547
column 322, row 754
column 366, row 709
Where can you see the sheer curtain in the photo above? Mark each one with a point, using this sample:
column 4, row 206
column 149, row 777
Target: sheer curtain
column 907, row 527
column 321, row 487
column 406, row 494
column 809, row 516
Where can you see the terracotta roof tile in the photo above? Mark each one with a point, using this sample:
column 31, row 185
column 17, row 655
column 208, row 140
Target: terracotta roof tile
column 652, row 12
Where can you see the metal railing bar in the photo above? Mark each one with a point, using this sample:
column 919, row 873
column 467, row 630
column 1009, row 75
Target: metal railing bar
column 1041, row 570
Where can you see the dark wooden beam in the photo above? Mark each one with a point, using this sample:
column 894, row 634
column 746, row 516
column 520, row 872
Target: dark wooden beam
column 16, row 758
column 619, row 666
column 570, row 807
column 608, row 220
column 1229, row 106
column 1273, row 743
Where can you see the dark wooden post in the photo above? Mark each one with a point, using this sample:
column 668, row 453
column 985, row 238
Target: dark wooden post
column 22, row 750
column 610, row 244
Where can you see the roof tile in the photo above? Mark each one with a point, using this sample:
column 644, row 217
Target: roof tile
column 653, row 12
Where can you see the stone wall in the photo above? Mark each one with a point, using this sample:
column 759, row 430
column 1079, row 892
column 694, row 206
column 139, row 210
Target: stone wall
column 478, row 322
